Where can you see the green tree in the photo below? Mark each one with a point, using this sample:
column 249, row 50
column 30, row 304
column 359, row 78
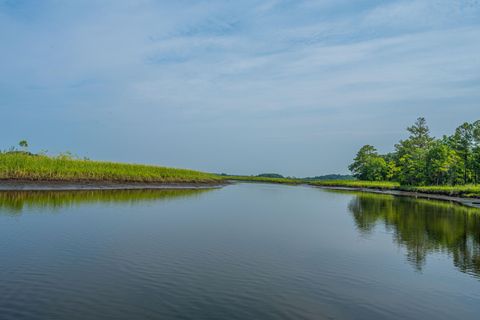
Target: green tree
column 24, row 145
column 476, row 163
column 368, row 165
column 476, row 132
column 476, row 151
column 411, row 154
column 442, row 164
column 421, row 159
column 392, row 170
column 420, row 134
column 462, row 142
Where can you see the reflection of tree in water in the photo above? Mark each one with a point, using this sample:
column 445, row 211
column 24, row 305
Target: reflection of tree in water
column 14, row 202
column 423, row 227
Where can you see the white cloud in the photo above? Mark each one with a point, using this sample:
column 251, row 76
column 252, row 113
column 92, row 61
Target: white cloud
column 292, row 67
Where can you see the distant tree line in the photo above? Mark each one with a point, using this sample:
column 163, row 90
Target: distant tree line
column 424, row 160
column 270, row 175
column 332, row 176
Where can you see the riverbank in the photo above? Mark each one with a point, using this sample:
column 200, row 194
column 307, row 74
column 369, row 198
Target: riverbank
column 460, row 191
column 24, row 168
column 470, row 202
column 468, row 195
column 28, row 172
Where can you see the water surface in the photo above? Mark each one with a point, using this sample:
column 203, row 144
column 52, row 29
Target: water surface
column 247, row 251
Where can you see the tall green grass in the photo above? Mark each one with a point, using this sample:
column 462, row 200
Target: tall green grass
column 22, row 166
column 469, row 190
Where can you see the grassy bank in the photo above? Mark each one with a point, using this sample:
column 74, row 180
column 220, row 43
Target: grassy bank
column 467, row 191
column 22, row 166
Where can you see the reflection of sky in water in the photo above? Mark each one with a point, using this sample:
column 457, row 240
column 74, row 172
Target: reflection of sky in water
column 246, row 251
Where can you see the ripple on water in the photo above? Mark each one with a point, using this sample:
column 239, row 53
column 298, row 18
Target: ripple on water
column 241, row 253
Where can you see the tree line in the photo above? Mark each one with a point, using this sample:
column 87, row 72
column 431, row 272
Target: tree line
column 424, row 160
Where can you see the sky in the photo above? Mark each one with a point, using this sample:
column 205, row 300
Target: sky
column 242, row 87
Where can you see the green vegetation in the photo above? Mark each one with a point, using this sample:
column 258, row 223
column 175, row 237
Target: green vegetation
column 270, row 175
column 330, row 177
column 383, row 185
column 422, row 160
column 19, row 165
column 466, row 191
column 420, row 163
column 265, row 179
column 24, row 145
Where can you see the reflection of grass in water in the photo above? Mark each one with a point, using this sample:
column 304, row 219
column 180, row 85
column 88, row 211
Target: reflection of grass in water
column 14, row 202
column 423, row 227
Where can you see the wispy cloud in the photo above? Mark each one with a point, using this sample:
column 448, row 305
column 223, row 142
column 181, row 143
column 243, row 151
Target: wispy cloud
column 288, row 71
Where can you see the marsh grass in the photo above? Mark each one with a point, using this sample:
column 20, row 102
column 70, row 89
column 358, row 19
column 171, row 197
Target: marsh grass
column 24, row 166
column 468, row 191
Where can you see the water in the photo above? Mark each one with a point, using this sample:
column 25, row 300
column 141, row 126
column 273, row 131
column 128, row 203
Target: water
column 247, row 251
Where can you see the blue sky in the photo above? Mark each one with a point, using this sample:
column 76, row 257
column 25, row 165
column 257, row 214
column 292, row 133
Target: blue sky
column 294, row 87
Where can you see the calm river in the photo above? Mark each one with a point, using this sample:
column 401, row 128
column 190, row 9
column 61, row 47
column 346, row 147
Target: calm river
column 246, row 251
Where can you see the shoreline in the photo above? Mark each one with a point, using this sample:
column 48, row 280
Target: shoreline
column 23, row 185
column 55, row 185
column 469, row 202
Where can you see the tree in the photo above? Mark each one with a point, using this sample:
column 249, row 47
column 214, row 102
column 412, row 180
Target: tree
column 420, row 134
column 476, row 132
column 270, row 175
column 476, row 151
column 462, row 143
column 421, row 159
column 358, row 167
column 23, row 144
column 392, row 168
column 476, row 163
column 442, row 164
column 368, row 165
column 411, row 154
